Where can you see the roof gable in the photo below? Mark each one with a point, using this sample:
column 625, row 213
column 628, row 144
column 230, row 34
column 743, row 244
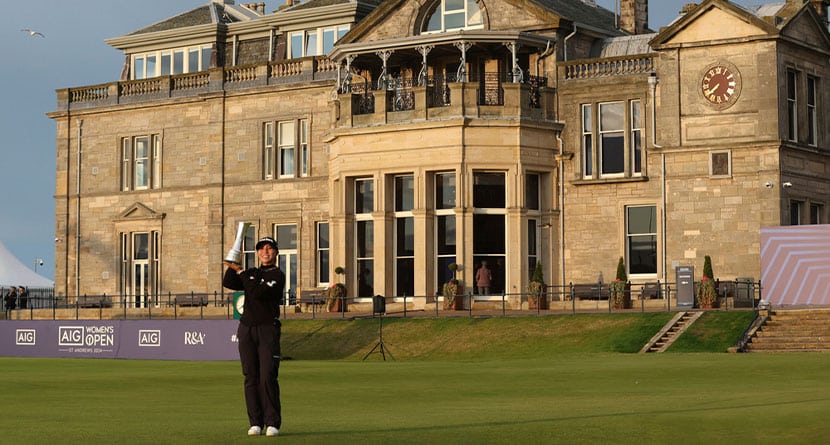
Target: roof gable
column 713, row 20
column 384, row 22
column 806, row 26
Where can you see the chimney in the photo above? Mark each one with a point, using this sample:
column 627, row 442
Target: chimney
column 687, row 8
column 821, row 8
column 634, row 16
column 289, row 3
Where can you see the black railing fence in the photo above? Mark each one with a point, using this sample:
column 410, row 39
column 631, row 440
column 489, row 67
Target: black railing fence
column 560, row 299
column 490, row 91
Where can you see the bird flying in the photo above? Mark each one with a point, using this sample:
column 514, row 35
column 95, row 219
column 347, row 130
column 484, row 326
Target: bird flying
column 32, row 32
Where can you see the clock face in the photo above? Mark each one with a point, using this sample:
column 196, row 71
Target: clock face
column 720, row 85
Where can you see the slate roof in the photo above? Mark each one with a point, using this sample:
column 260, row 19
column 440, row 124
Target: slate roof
column 625, row 45
column 580, row 12
column 199, row 16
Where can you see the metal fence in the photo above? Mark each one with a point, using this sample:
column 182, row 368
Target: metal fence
column 568, row 299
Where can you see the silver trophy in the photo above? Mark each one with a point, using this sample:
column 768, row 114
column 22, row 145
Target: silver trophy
column 235, row 254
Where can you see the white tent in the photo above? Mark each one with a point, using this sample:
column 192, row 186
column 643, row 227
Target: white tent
column 14, row 273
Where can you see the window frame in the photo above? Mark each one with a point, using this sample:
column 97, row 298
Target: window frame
column 629, row 234
column 280, row 137
column 712, row 172
column 592, row 139
column 439, row 10
column 162, row 62
column 792, row 105
column 322, row 257
column 132, row 164
column 316, row 35
column 403, row 206
column 812, row 111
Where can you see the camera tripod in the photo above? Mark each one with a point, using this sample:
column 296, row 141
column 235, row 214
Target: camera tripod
column 379, row 346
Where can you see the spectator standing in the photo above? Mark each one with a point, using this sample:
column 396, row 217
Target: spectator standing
column 23, row 297
column 483, row 279
column 10, row 300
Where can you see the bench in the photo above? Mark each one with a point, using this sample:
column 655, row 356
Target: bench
column 93, row 302
column 191, row 300
column 651, row 291
column 590, row 291
column 311, row 297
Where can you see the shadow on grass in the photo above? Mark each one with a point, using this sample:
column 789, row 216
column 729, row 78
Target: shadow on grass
column 549, row 420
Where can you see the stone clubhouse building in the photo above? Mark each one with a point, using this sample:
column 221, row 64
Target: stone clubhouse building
column 393, row 138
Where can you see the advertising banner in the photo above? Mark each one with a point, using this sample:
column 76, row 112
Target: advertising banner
column 129, row 339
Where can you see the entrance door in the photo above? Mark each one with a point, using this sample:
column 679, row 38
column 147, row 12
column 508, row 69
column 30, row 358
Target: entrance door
column 140, row 280
column 286, row 236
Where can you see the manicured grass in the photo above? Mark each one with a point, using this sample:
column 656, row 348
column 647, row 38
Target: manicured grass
column 560, row 379
column 473, row 338
column 713, row 331
column 564, row 398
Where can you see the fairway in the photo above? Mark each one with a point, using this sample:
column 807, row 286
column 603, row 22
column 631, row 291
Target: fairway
column 562, row 398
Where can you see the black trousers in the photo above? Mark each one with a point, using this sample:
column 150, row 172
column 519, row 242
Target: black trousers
column 259, row 352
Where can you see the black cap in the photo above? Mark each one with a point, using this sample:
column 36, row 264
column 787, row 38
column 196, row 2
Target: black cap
column 266, row 240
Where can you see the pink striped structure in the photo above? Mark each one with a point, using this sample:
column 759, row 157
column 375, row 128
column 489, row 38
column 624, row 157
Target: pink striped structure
column 795, row 264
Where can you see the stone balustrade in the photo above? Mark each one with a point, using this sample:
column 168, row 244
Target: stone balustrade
column 191, row 84
column 611, row 66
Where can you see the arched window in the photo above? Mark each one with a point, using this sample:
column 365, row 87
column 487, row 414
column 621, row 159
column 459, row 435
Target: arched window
column 450, row 15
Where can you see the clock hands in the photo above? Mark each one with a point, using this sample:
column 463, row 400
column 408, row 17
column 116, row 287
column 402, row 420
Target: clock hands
column 711, row 91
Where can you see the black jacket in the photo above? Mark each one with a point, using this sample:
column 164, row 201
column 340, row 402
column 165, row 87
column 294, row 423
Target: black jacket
column 264, row 292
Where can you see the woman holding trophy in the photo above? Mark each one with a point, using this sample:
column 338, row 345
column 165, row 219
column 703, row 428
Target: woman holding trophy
column 259, row 331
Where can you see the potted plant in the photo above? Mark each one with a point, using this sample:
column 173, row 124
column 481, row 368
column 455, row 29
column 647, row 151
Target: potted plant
column 621, row 288
column 536, row 289
column 452, row 290
column 336, row 294
column 707, row 294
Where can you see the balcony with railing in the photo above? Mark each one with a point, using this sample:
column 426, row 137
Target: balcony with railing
column 608, row 67
column 400, row 100
column 193, row 84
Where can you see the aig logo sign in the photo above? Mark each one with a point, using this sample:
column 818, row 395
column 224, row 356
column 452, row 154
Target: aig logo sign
column 25, row 337
column 149, row 337
column 70, row 336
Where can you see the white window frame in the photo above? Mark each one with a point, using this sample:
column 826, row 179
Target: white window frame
column 588, row 144
column 279, row 138
column 134, row 163
column 591, row 139
column 812, row 112
column 629, row 235
column 316, row 38
column 635, row 137
column 712, row 155
column 473, row 17
column 792, row 105
column 157, row 63
column 364, row 216
column 402, row 214
column 601, row 132
column 323, row 250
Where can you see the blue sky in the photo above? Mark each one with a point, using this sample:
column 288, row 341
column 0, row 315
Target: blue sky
column 74, row 54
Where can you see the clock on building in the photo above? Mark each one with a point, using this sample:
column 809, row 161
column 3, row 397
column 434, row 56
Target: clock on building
column 720, row 84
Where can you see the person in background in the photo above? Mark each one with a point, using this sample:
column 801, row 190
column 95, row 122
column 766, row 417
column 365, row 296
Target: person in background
column 23, row 296
column 483, row 279
column 258, row 335
column 10, row 300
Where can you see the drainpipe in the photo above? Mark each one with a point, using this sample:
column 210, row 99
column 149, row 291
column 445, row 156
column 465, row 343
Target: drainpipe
column 561, row 205
column 235, row 44
column 565, row 47
column 652, row 85
column 78, row 213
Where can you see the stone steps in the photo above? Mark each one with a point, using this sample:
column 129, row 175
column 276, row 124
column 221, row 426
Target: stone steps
column 670, row 332
column 793, row 331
